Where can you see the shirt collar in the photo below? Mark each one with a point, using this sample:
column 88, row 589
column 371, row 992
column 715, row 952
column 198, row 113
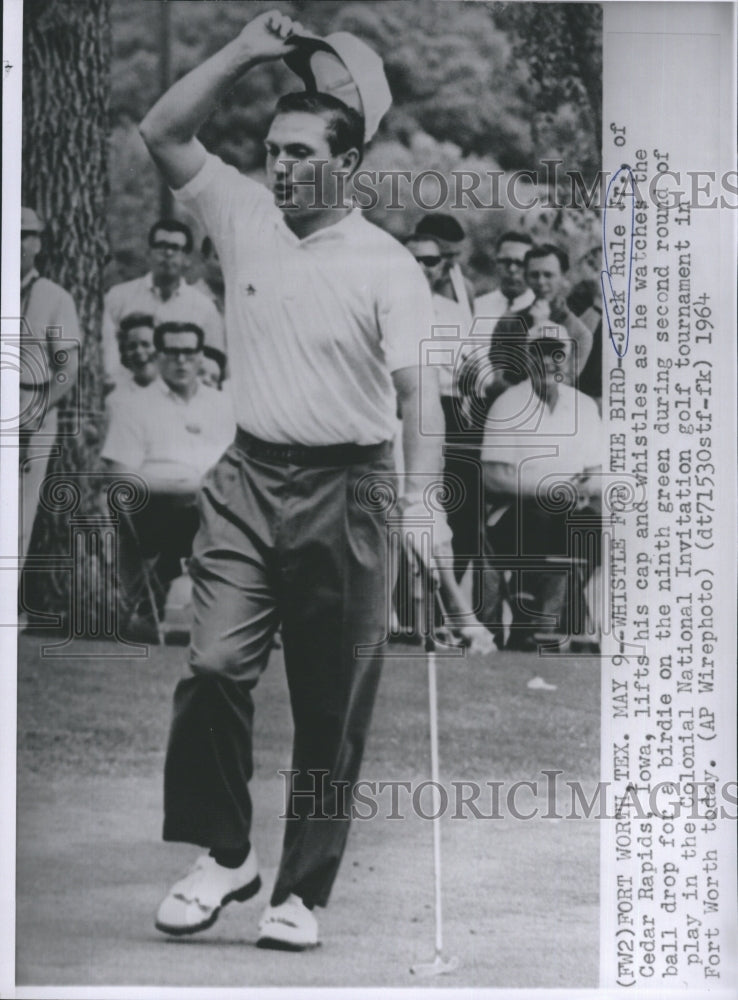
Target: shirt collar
column 149, row 279
column 336, row 230
column 29, row 279
column 166, row 391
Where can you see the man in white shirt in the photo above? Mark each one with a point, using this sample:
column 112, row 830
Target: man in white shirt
column 475, row 375
column 542, row 442
column 162, row 293
column 49, row 361
column 325, row 314
column 168, row 435
column 512, row 292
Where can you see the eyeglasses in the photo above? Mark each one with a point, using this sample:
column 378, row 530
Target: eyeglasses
column 162, row 246
column 429, row 261
column 510, row 262
column 180, row 352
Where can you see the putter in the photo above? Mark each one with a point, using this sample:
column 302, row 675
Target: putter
column 439, row 966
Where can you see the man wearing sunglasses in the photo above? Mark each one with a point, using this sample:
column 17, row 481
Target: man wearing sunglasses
column 162, row 293
column 170, row 440
column 512, row 292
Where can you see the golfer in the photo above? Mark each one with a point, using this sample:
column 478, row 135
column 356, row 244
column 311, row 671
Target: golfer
column 325, row 314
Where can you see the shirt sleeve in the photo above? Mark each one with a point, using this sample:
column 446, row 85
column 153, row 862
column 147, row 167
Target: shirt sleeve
column 65, row 317
column 216, row 193
column 110, row 350
column 502, row 410
column 125, row 442
column 590, row 438
column 213, row 326
column 405, row 311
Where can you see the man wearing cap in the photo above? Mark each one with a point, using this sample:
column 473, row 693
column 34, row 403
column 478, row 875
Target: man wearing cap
column 539, row 433
column 325, row 314
column 162, row 292
column 49, row 358
column 449, row 235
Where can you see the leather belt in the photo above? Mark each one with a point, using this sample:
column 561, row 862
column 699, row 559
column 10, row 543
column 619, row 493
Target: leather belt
column 310, row 455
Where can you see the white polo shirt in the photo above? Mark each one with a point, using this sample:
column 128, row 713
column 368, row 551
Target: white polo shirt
column 520, row 426
column 494, row 305
column 156, row 429
column 316, row 326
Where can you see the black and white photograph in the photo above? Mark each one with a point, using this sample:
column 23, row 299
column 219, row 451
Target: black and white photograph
column 366, row 442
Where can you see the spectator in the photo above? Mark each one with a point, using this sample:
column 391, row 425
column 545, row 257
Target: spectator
column 170, row 443
column 49, row 358
column 213, row 367
column 511, row 294
column 481, row 382
column 449, row 236
column 585, row 301
column 435, row 244
column 545, row 272
column 162, row 293
column 137, row 354
column 540, row 431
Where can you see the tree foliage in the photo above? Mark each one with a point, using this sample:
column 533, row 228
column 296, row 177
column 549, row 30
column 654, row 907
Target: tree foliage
column 485, row 86
column 561, row 45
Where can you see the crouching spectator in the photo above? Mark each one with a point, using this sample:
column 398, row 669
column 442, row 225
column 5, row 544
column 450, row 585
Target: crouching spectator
column 541, row 454
column 169, row 437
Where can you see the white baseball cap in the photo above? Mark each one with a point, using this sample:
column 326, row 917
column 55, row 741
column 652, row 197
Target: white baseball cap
column 346, row 68
column 548, row 331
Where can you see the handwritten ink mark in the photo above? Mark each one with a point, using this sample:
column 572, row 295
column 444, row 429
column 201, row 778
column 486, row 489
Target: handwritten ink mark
column 619, row 298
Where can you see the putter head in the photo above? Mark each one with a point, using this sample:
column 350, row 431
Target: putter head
column 440, row 966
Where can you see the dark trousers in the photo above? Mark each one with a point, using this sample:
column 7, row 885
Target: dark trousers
column 290, row 544
column 162, row 532
column 544, row 592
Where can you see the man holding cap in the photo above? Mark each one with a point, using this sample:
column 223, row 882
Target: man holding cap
column 49, row 357
column 325, row 314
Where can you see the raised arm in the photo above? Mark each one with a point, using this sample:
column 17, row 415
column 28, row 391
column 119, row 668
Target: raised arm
column 170, row 127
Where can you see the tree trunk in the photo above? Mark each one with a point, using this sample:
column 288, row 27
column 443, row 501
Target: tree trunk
column 66, row 87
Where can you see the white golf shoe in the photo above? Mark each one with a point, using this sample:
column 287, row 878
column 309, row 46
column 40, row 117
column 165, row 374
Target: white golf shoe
column 290, row 926
column 193, row 903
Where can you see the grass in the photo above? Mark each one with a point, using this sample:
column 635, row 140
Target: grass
column 521, row 898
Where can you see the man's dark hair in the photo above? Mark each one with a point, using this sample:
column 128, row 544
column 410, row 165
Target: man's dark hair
column 133, row 321
column 172, row 326
column 548, row 250
column 440, row 226
column 344, row 125
column 206, row 247
column 513, row 236
column 172, row 226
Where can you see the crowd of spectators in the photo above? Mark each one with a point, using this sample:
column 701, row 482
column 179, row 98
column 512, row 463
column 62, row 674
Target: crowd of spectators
column 519, row 383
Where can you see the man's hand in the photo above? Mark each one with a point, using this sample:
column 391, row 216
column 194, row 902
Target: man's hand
column 476, row 638
column 417, row 522
column 267, row 36
column 170, row 128
column 540, row 311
